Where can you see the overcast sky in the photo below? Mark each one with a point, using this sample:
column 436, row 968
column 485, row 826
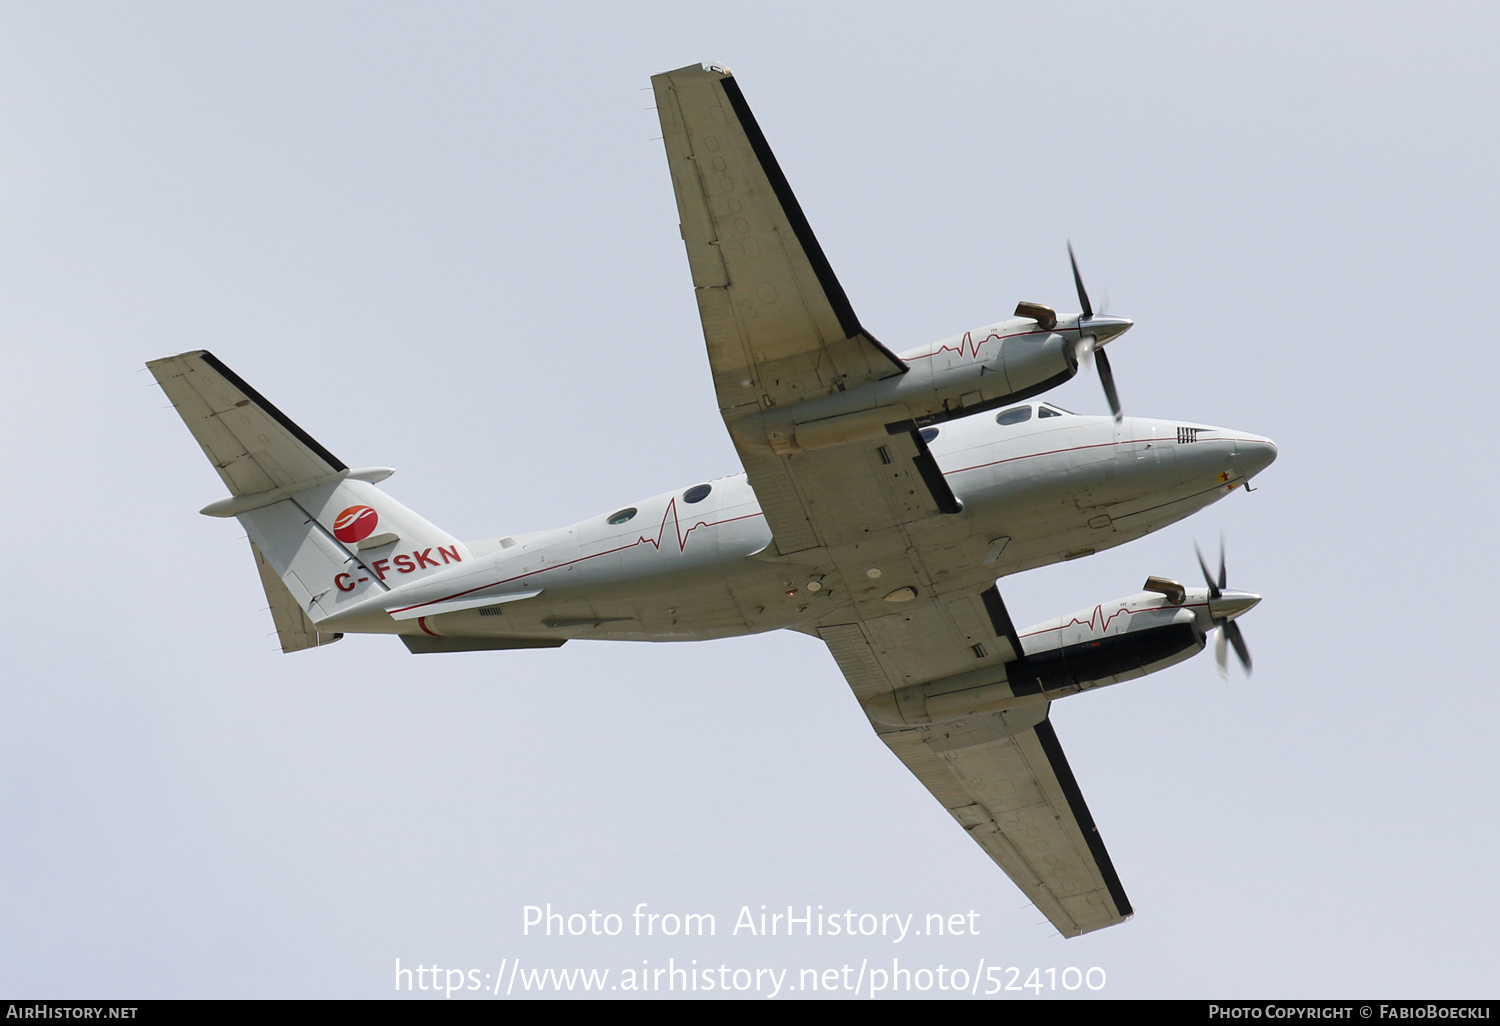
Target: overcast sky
column 442, row 238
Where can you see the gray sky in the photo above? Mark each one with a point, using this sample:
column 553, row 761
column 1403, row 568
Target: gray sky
column 442, row 238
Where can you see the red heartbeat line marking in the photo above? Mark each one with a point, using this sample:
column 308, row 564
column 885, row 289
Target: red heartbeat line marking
column 682, row 536
column 968, row 347
column 1098, row 614
column 669, row 514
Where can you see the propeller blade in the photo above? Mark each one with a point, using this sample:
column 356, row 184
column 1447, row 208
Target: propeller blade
column 1214, row 590
column 1232, row 630
column 1107, row 379
column 1227, row 628
column 1083, row 296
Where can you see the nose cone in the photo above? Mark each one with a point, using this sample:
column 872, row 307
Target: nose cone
column 1254, row 454
column 1105, row 328
column 1231, row 604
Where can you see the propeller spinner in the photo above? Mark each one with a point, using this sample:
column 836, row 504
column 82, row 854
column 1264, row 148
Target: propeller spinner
column 1094, row 332
column 1224, row 606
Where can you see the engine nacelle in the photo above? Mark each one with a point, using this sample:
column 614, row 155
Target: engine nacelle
column 1112, row 642
column 986, row 368
column 979, row 370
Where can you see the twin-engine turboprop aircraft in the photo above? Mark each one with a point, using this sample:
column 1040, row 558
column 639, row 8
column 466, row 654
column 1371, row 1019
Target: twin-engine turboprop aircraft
column 880, row 502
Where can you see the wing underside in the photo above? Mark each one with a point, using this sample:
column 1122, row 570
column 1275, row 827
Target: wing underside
column 779, row 328
column 1003, row 776
column 1016, row 796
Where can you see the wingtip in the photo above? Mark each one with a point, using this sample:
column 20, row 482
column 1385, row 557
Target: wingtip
column 701, row 68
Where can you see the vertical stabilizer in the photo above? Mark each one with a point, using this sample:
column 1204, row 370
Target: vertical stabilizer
column 324, row 535
column 339, row 542
column 293, row 627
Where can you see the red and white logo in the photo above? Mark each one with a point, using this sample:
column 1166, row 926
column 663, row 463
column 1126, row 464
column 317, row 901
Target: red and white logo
column 355, row 524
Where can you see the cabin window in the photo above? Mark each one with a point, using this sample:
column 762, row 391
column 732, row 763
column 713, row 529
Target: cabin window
column 623, row 517
column 929, row 434
column 697, row 493
column 1014, row 416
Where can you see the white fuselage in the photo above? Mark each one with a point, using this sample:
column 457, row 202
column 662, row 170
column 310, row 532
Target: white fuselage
column 1054, row 487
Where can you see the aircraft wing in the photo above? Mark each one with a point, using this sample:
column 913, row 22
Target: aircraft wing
column 778, row 326
column 1005, row 779
column 850, row 510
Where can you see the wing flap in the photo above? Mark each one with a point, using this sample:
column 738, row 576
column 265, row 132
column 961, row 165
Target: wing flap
column 775, row 489
column 842, row 494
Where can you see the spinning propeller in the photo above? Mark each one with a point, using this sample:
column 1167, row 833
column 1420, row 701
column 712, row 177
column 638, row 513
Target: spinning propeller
column 1223, row 607
column 1093, row 333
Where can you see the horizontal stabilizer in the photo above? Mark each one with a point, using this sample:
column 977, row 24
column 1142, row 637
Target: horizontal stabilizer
column 253, row 445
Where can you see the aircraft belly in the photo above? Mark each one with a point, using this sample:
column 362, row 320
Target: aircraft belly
column 1077, row 502
column 1037, row 508
column 1151, row 513
column 727, row 599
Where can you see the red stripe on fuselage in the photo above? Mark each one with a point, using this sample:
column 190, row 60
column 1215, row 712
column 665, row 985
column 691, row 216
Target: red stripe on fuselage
column 1077, row 448
column 671, row 512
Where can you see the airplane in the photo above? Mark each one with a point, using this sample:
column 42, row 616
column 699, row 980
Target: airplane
column 883, row 496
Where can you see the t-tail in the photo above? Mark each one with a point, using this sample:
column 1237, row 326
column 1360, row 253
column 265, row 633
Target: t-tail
column 324, row 536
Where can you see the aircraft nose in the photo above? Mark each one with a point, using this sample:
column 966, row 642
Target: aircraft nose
column 1255, row 454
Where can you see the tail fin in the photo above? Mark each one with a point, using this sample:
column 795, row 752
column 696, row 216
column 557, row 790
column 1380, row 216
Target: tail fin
column 325, row 532
column 293, row 627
